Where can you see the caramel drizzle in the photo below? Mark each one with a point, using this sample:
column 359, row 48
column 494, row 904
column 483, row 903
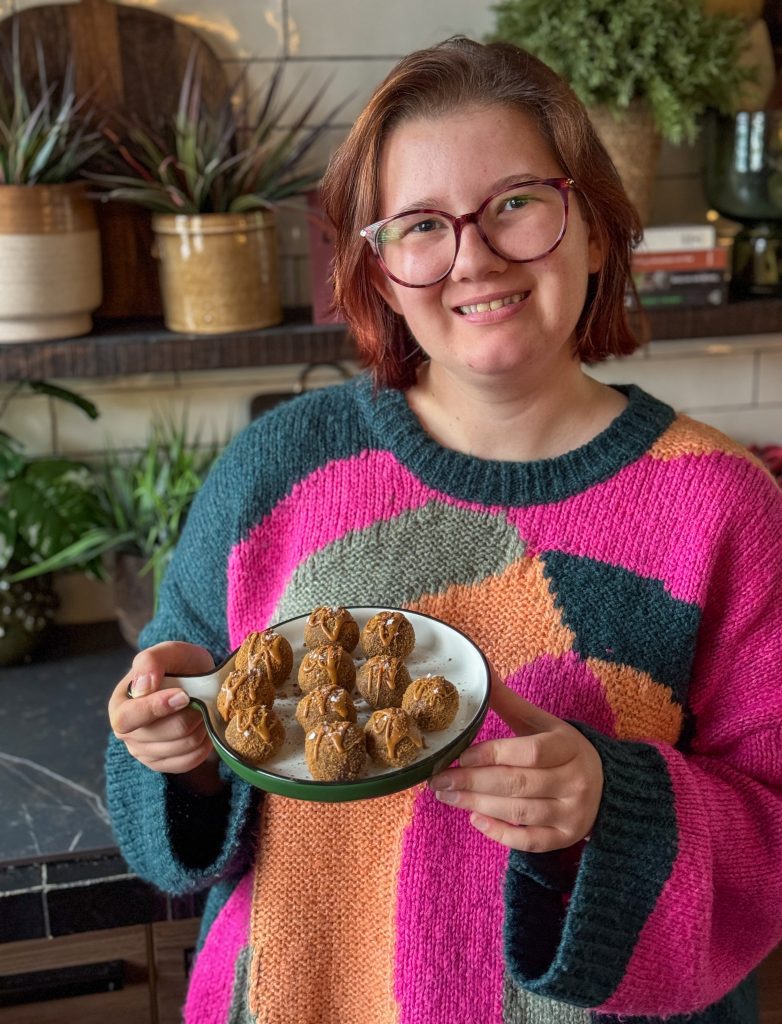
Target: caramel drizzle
column 336, row 733
column 245, row 721
column 375, row 673
column 392, row 728
column 334, row 697
column 320, row 615
column 419, row 687
column 388, row 626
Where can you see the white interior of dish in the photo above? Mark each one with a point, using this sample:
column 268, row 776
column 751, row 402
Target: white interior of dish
column 439, row 650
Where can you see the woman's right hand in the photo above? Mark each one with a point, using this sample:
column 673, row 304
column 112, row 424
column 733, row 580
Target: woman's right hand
column 155, row 724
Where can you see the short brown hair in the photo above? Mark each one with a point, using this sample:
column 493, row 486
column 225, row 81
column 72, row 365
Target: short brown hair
column 434, row 81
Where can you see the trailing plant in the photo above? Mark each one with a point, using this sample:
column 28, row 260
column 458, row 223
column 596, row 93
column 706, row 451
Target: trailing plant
column 230, row 158
column 47, row 504
column 670, row 53
column 47, row 132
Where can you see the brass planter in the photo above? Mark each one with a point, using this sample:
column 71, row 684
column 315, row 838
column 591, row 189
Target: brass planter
column 50, row 263
column 219, row 272
column 633, row 143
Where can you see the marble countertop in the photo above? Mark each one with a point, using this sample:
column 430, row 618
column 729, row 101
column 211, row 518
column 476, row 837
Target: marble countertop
column 53, row 733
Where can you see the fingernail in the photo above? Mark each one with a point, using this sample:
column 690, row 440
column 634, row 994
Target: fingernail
column 179, row 700
column 440, row 782
column 466, row 759
column 141, row 685
column 446, row 797
column 480, row 823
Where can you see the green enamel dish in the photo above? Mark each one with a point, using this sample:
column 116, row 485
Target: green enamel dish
column 440, row 650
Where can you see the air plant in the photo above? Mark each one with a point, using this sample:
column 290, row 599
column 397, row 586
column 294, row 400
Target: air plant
column 47, row 132
column 230, row 158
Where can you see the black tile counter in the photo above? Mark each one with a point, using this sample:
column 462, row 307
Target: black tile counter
column 60, row 871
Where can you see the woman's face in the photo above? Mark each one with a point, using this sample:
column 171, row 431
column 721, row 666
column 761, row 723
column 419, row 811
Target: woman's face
column 452, row 163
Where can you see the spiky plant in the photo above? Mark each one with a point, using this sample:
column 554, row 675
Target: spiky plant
column 48, row 133
column 230, row 158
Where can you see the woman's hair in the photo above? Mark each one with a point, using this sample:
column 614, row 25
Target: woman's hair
column 429, row 83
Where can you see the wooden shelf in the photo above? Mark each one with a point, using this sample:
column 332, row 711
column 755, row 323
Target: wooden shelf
column 122, row 348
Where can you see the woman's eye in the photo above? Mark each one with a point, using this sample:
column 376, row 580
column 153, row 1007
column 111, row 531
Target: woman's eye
column 425, row 226
column 516, row 202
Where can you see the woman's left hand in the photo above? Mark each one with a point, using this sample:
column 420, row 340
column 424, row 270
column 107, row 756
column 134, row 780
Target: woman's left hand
column 539, row 790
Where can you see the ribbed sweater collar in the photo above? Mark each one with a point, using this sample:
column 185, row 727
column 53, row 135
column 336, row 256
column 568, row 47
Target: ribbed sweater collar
column 395, row 428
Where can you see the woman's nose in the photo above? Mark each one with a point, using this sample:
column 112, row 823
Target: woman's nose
column 474, row 257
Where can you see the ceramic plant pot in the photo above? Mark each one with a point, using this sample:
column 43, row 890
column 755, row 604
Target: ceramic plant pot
column 50, row 262
column 219, row 272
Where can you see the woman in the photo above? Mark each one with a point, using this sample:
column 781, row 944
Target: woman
column 612, row 840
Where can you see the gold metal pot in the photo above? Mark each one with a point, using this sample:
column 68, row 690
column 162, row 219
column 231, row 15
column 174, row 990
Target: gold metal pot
column 633, row 143
column 219, row 272
column 50, row 263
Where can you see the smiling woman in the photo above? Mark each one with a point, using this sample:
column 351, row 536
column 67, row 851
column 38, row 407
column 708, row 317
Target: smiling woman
column 597, row 847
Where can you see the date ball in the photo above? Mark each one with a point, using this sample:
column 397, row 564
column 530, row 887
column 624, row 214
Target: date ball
column 256, row 733
column 382, row 681
column 388, row 633
column 328, row 663
column 335, row 751
column 432, row 702
column 393, row 738
column 331, row 626
column 325, row 704
column 243, row 689
column 267, row 652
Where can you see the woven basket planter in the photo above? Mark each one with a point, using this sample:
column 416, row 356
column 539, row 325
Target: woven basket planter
column 633, row 144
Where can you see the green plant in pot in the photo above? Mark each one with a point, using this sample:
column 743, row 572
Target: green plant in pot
column 646, row 69
column 47, row 506
column 50, row 262
column 144, row 497
column 212, row 178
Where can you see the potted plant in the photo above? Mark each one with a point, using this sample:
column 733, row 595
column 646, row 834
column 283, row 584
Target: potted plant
column 47, row 505
column 50, row 264
column 646, row 69
column 213, row 177
column 143, row 498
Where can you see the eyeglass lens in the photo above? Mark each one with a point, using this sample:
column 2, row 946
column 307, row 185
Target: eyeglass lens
column 521, row 224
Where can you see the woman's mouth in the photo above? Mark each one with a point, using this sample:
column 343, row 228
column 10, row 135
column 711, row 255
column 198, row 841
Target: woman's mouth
column 489, row 307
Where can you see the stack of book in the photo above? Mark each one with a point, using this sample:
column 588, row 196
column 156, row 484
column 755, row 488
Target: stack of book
column 681, row 265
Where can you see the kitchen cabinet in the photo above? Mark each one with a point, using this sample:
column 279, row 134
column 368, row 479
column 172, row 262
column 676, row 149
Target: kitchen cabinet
column 134, row 975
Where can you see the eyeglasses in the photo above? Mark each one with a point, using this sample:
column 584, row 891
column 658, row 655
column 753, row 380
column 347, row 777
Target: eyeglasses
column 521, row 223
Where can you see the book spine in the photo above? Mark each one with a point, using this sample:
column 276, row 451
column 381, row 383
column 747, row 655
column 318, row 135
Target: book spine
column 696, row 259
column 674, row 238
column 665, row 280
column 682, row 297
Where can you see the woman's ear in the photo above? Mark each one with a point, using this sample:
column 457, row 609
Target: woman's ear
column 595, row 252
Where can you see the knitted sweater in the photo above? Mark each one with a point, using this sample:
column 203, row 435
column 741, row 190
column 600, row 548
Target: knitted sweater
column 630, row 586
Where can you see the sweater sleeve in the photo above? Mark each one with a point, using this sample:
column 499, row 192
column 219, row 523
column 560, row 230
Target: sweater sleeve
column 677, row 896
column 176, row 840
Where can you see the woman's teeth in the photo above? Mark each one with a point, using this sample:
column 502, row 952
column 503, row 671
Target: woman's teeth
column 486, row 307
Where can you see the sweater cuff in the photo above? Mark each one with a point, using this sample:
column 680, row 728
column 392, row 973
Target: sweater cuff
column 580, row 956
column 156, row 825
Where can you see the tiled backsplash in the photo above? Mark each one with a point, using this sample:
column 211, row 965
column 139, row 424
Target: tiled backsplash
column 351, row 45
column 735, row 384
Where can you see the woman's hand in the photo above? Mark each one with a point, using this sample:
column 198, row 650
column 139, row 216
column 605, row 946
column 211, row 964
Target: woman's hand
column 539, row 790
column 153, row 725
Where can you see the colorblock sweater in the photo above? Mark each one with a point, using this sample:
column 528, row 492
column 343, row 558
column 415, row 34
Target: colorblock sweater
column 631, row 586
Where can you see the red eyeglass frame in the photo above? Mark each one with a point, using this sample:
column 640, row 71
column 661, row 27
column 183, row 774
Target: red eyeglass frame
column 562, row 185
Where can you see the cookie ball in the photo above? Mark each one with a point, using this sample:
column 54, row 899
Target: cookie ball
column 388, row 633
column 269, row 652
column 335, row 751
column 393, row 738
column 382, row 681
column 331, row 626
column 256, row 733
column 327, row 664
column 432, row 702
column 243, row 689
column 325, row 704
